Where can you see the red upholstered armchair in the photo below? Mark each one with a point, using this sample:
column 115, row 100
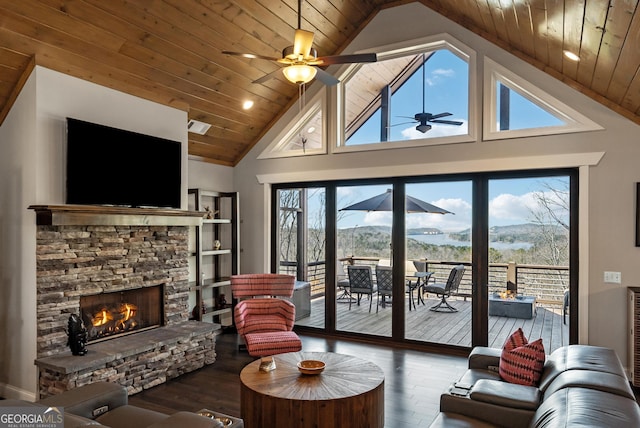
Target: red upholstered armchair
column 264, row 320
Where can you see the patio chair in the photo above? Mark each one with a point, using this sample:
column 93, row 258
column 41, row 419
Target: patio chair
column 264, row 321
column 361, row 282
column 445, row 290
column 342, row 281
column 384, row 281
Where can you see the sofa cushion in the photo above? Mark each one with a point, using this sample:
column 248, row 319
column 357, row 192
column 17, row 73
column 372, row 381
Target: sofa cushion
column 523, row 365
column 580, row 357
column 607, row 382
column 90, row 400
column 571, row 407
column 130, row 417
column 506, row 394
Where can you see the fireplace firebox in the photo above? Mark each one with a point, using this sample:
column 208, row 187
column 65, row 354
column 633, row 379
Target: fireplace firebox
column 108, row 315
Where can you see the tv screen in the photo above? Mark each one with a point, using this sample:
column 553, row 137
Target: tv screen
column 109, row 166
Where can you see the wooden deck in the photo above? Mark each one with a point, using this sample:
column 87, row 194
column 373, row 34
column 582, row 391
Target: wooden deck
column 441, row 327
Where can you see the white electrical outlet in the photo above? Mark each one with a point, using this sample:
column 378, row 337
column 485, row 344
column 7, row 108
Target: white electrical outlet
column 613, row 277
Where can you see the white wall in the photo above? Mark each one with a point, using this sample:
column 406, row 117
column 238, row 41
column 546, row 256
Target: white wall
column 32, row 160
column 208, row 176
column 18, row 165
column 610, row 214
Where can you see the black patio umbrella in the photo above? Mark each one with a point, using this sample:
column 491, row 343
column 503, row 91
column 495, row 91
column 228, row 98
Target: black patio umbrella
column 384, row 202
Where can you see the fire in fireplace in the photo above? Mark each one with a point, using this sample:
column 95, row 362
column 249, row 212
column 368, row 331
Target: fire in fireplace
column 113, row 314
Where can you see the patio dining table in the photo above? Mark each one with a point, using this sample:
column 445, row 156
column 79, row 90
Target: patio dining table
column 421, row 280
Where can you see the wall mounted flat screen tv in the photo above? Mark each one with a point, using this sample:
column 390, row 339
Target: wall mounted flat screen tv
column 110, row 166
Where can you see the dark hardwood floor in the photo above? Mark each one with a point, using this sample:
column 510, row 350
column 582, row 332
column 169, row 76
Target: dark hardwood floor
column 414, row 380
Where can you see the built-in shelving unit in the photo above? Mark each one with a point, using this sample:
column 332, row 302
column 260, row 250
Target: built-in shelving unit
column 215, row 256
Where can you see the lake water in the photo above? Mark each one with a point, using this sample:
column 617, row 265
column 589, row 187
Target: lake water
column 445, row 239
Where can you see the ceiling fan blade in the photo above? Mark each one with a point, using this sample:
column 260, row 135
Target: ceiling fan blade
column 302, row 43
column 347, row 59
column 326, row 78
column 436, row 116
column 399, row 124
column 447, row 122
column 250, row 55
column 268, row 76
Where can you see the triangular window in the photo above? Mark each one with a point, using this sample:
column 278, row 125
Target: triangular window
column 518, row 109
column 305, row 137
column 412, row 96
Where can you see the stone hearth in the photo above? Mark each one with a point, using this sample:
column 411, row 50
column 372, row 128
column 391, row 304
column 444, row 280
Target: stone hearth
column 92, row 250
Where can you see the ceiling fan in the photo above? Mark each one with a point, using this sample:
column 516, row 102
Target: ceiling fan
column 424, row 118
column 301, row 59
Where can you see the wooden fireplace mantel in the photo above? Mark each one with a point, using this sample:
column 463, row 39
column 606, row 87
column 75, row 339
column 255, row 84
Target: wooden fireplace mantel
column 95, row 215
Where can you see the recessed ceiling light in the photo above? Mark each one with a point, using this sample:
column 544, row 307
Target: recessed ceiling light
column 247, row 104
column 311, row 129
column 571, row 56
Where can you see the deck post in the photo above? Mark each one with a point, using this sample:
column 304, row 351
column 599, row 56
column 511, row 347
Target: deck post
column 512, row 277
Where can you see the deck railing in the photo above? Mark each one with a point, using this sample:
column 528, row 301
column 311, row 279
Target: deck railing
column 546, row 283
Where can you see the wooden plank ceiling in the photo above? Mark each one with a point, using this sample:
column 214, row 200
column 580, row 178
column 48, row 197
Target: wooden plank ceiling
column 169, row 51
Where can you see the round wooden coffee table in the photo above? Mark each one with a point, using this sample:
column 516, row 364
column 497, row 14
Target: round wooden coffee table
column 348, row 393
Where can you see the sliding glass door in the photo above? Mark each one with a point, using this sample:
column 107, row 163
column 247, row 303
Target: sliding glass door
column 364, row 218
column 529, row 258
column 300, row 244
column 457, row 260
column 438, row 239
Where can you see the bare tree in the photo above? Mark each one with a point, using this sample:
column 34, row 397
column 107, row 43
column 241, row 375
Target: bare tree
column 552, row 216
column 288, row 225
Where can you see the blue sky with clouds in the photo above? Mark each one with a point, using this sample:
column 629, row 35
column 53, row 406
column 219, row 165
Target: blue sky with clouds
column 511, row 202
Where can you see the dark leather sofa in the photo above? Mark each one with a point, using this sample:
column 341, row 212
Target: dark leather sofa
column 581, row 385
column 104, row 404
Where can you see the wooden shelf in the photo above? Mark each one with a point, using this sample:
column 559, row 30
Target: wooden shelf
column 215, row 252
column 216, row 220
column 213, row 268
column 217, row 312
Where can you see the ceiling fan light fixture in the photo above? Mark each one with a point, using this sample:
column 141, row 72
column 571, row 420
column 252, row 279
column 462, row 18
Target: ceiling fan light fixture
column 299, row 73
column 423, row 127
column 289, row 55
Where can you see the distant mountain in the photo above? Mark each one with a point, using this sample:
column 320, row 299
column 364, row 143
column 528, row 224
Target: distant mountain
column 526, row 232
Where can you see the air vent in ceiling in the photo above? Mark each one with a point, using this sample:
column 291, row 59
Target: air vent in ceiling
column 198, row 127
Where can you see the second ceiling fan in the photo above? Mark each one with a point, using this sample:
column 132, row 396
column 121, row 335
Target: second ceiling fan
column 301, row 59
column 423, row 119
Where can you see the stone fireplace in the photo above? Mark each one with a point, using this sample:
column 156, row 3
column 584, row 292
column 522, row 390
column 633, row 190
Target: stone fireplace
column 125, row 272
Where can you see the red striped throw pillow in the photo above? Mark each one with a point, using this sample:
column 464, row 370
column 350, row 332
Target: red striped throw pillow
column 522, row 364
column 516, row 340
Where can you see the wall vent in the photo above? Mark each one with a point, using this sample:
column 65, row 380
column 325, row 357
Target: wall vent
column 198, row 127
